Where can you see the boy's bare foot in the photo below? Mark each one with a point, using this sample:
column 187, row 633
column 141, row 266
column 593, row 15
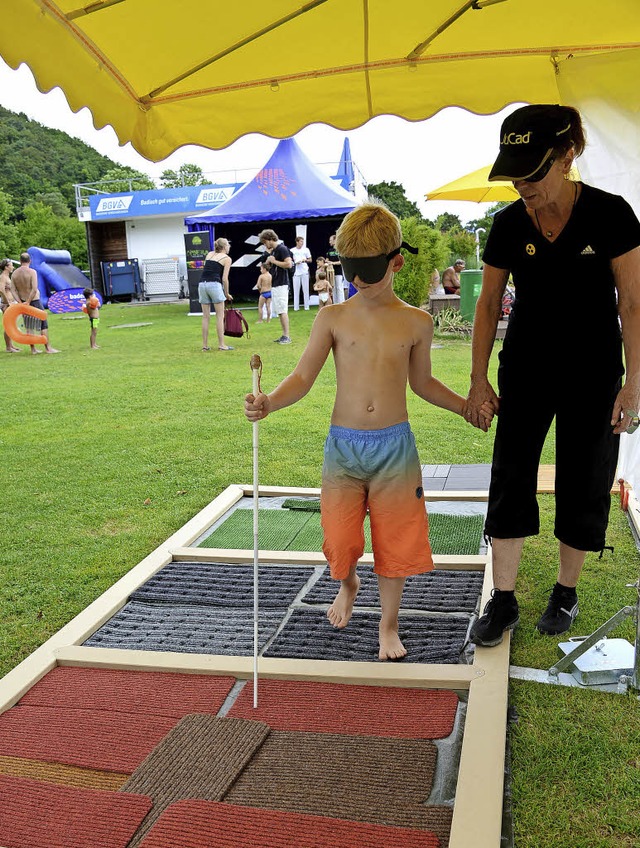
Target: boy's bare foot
column 391, row 648
column 95, row 347
column 259, row 322
column 52, row 350
column 340, row 610
column 34, row 351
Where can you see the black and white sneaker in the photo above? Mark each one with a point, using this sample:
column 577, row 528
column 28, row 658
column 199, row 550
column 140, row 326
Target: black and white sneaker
column 560, row 613
column 500, row 614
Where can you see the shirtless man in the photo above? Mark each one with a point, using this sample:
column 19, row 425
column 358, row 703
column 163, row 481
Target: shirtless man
column 451, row 277
column 25, row 282
column 370, row 457
column 7, row 297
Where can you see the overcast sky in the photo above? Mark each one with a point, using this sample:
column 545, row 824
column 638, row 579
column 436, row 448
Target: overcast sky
column 421, row 156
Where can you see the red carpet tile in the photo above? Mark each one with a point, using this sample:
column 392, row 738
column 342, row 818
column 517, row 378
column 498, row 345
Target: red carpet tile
column 354, row 710
column 130, row 691
column 41, row 815
column 207, row 824
column 90, row 739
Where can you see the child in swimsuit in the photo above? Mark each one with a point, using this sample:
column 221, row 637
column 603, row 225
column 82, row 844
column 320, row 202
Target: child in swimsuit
column 379, row 343
column 323, row 288
column 92, row 308
column 264, row 287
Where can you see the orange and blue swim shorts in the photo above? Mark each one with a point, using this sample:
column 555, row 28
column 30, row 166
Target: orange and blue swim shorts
column 378, row 470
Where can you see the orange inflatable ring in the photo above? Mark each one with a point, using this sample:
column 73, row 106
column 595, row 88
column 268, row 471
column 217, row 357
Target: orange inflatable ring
column 32, row 316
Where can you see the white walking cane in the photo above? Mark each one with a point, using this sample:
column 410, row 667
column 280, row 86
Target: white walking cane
column 256, row 370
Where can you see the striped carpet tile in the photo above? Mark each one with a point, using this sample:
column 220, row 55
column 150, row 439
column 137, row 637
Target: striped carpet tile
column 196, row 824
column 435, row 591
column 222, row 585
column 106, row 741
column 428, row 639
column 354, row 710
column 81, row 778
column 156, row 693
column 358, row 778
column 185, row 629
column 200, row 758
column 40, row 815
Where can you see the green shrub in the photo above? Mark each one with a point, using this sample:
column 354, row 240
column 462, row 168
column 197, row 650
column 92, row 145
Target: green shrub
column 449, row 322
column 412, row 283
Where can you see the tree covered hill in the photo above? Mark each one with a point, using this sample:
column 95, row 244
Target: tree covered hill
column 36, row 161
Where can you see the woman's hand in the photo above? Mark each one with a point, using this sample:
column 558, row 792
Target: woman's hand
column 229, row 298
column 256, row 407
column 625, row 407
column 482, row 404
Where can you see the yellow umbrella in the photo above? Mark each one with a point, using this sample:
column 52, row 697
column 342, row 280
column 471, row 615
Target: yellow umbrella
column 475, row 187
column 165, row 73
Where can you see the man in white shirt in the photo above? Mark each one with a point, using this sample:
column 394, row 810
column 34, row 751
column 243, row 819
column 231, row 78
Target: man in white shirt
column 301, row 262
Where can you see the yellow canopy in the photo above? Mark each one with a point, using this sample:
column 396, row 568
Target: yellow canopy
column 165, row 73
column 475, row 187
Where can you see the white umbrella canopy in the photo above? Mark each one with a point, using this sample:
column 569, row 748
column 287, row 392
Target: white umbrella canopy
column 165, row 74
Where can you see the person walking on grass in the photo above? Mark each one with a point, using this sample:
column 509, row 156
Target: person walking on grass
column 213, row 288
column 25, row 283
column 379, row 344
column 279, row 261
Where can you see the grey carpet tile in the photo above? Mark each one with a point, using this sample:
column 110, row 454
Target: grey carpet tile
column 190, row 630
column 435, row 591
column 218, row 584
column 433, row 484
column 309, row 635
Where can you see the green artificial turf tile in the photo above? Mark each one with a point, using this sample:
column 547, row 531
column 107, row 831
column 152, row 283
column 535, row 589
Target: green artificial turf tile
column 276, row 530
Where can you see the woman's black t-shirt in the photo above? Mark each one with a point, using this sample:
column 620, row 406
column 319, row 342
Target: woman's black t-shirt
column 212, row 271
column 565, row 312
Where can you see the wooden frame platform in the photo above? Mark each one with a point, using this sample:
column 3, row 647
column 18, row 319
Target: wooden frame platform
column 477, row 813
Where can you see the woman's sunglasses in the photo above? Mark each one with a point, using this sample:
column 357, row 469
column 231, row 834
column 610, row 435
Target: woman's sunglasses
column 370, row 269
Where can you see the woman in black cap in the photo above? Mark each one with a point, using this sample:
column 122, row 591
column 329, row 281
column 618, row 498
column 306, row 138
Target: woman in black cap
column 571, row 372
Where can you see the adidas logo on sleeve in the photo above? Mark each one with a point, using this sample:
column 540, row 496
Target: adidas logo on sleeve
column 588, row 251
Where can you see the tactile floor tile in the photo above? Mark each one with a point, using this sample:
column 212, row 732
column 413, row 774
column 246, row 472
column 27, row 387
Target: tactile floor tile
column 459, row 535
column 222, row 585
column 41, row 815
column 196, row 824
column 95, row 739
column 435, row 591
column 354, row 710
column 200, row 758
column 153, row 692
column 361, row 778
column 82, row 778
column 276, row 529
column 309, row 635
column 185, row 629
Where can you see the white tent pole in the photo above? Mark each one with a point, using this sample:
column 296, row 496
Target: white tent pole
column 256, row 370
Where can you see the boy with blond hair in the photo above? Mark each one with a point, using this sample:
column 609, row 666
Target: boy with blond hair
column 379, row 343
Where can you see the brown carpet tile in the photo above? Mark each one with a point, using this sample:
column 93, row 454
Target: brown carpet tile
column 207, row 824
column 81, row 778
column 355, row 710
column 200, row 758
column 158, row 693
column 87, row 738
column 41, row 815
column 360, row 778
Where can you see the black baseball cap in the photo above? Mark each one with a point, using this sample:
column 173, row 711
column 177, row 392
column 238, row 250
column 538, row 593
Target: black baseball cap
column 528, row 138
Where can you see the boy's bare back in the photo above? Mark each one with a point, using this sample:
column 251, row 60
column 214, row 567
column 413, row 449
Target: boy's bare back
column 264, row 282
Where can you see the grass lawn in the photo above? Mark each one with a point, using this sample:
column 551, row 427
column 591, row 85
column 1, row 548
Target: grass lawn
column 105, row 453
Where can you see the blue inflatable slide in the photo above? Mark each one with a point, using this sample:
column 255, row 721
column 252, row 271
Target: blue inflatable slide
column 55, row 272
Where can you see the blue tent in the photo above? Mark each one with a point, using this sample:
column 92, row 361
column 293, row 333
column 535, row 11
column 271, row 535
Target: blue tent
column 346, row 175
column 288, row 187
